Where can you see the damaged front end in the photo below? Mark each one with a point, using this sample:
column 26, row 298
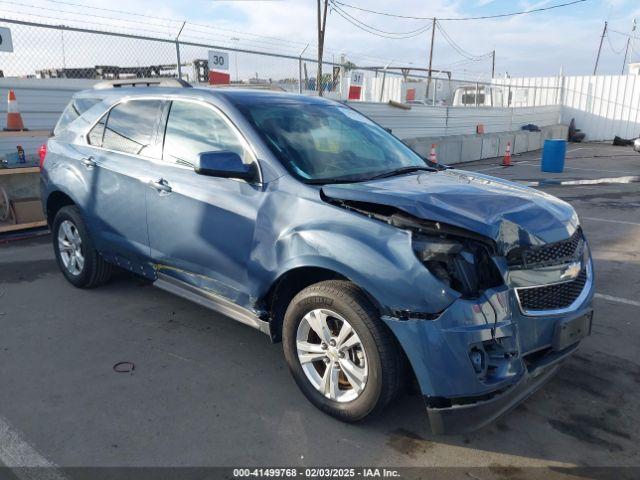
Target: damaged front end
column 521, row 308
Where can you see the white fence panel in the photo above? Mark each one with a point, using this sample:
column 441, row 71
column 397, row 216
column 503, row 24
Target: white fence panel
column 419, row 121
column 41, row 101
column 427, row 121
column 603, row 106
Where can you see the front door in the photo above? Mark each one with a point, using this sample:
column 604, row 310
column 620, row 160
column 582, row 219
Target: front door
column 201, row 228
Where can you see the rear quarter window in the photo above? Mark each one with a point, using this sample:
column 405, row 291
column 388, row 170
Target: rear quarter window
column 75, row 108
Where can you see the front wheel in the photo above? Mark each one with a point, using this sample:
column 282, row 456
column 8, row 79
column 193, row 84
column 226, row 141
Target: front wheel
column 339, row 351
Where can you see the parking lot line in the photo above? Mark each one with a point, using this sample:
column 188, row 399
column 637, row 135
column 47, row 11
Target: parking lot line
column 598, row 170
column 25, row 462
column 617, row 299
column 595, row 219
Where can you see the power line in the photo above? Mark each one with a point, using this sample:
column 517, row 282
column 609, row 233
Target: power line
column 375, row 31
column 482, row 17
column 40, row 7
column 623, row 33
column 198, row 28
column 457, row 47
column 422, row 29
column 364, row 28
column 461, row 63
column 11, row 13
column 170, row 20
column 616, row 52
column 114, row 11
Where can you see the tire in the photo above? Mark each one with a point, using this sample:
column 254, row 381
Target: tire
column 93, row 271
column 375, row 354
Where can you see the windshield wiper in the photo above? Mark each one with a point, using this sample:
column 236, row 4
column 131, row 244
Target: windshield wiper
column 402, row 171
column 356, row 179
column 322, row 181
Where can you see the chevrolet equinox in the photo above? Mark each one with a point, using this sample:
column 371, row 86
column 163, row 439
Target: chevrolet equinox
column 303, row 218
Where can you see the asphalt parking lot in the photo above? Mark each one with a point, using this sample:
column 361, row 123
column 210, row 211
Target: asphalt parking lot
column 209, row 391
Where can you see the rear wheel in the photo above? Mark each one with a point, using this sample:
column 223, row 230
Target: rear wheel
column 77, row 257
column 339, row 352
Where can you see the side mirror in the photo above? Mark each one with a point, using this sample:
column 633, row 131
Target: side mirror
column 223, row 164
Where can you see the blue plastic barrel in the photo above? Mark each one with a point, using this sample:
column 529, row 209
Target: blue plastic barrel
column 553, row 156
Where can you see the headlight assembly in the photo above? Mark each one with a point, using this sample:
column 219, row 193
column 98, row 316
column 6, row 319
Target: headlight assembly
column 463, row 265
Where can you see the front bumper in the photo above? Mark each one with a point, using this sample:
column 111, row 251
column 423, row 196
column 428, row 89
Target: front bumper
column 521, row 352
column 476, row 413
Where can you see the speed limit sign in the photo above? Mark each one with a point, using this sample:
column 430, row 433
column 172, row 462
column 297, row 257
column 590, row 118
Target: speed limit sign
column 218, row 60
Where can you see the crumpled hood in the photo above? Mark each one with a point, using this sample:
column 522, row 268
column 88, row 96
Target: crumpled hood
column 504, row 211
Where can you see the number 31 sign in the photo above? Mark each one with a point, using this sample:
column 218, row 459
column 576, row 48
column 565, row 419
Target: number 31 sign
column 218, row 60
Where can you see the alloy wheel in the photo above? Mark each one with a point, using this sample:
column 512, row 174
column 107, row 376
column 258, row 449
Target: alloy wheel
column 332, row 355
column 70, row 247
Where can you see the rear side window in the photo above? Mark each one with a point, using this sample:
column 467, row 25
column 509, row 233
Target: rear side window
column 131, row 128
column 97, row 132
column 75, row 108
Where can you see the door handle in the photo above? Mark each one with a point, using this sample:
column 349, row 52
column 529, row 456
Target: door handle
column 88, row 162
column 161, row 185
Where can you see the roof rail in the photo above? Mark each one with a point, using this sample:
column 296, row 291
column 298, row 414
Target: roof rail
column 249, row 86
column 142, row 82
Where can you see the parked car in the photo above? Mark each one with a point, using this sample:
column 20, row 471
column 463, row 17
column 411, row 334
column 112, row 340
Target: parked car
column 306, row 220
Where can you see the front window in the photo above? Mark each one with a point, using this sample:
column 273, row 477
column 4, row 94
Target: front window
column 328, row 143
column 192, row 129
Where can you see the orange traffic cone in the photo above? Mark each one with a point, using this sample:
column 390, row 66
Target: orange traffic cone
column 432, row 154
column 506, row 161
column 14, row 119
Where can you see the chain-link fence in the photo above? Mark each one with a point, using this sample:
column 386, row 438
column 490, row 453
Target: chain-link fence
column 48, row 51
column 60, row 51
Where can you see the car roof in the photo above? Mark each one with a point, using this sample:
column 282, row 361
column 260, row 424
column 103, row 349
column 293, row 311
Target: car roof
column 238, row 96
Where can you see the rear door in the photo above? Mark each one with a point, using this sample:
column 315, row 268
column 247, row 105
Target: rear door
column 201, row 228
column 119, row 160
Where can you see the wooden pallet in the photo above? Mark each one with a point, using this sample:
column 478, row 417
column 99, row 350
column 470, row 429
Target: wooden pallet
column 22, row 226
column 17, row 171
column 13, row 227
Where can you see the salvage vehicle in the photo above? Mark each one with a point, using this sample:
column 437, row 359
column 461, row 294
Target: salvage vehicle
column 303, row 218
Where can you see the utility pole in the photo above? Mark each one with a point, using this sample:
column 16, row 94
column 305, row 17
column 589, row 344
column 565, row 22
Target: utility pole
column 322, row 22
column 626, row 50
column 433, row 37
column 604, row 32
column 493, row 64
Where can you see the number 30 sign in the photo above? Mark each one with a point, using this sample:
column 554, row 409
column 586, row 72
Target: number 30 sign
column 218, row 60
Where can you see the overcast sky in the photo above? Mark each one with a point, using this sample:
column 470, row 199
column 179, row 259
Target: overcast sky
column 533, row 44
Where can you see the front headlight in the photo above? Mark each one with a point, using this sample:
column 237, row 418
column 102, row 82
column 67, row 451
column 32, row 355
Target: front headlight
column 463, row 265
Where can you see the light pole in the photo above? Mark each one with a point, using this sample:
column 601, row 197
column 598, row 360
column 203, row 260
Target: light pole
column 235, row 55
column 64, row 55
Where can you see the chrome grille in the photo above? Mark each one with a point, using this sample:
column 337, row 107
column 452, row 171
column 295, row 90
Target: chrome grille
column 548, row 254
column 552, row 297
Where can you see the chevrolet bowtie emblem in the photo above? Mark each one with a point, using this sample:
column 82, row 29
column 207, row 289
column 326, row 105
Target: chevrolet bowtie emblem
column 572, row 271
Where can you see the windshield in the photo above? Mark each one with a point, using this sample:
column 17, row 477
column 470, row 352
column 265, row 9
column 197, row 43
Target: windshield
column 328, row 143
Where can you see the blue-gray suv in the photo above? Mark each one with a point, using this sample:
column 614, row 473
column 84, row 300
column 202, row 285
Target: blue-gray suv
column 302, row 218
